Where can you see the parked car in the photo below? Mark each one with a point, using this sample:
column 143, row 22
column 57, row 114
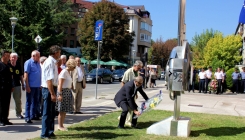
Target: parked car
column 103, row 75
column 118, row 74
column 163, row 75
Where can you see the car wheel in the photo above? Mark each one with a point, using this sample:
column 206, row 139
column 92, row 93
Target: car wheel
column 111, row 80
column 101, row 81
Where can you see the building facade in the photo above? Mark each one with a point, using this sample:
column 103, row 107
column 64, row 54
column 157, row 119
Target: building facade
column 139, row 22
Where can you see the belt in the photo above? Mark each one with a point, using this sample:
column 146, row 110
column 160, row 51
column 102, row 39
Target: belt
column 202, row 79
column 79, row 82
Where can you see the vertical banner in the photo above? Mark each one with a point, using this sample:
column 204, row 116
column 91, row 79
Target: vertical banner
column 98, row 32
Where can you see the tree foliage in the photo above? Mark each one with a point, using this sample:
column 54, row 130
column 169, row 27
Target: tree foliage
column 223, row 51
column 161, row 51
column 35, row 17
column 198, row 44
column 116, row 38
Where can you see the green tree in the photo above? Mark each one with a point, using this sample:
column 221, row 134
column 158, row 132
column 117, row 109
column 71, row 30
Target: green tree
column 160, row 51
column 116, row 38
column 222, row 51
column 198, row 44
column 35, row 17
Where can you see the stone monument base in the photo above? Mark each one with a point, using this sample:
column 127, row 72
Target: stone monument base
column 170, row 127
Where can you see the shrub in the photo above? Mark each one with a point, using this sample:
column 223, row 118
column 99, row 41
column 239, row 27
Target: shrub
column 229, row 78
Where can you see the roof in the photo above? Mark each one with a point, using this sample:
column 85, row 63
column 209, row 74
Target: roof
column 87, row 4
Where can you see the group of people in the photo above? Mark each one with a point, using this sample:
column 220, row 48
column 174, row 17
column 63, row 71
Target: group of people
column 52, row 85
column 149, row 75
column 207, row 80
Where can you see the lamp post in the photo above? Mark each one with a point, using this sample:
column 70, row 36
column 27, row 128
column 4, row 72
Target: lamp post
column 13, row 23
column 133, row 56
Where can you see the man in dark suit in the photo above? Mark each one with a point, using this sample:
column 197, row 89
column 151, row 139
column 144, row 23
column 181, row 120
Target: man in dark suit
column 125, row 99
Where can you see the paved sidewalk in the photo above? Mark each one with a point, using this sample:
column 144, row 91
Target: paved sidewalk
column 226, row 104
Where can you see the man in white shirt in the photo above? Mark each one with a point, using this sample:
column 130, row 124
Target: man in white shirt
column 243, row 79
column 220, row 79
column 78, row 84
column 201, row 80
column 63, row 61
column 208, row 78
column 49, row 89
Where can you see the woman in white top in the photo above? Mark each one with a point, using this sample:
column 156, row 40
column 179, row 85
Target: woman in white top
column 64, row 94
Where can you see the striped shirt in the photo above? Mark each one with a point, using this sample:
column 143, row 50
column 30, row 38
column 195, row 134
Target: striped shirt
column 50, row 72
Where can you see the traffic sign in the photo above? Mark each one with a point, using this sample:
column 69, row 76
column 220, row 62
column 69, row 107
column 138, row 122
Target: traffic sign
column 98, row 32
column 38, row 39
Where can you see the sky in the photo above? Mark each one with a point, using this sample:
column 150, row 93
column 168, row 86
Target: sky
column 220, row 15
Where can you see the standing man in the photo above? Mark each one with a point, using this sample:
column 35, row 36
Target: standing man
column 49, row 83
column 17, row 73
column 32, row 77
column 147, row 75
column 220, row 79
column 142, row 73
column 129, row 75
column 192, row 86
column 201, row 80
column 6, row 87
column 243, row 79
column 235, row 77
column 208, row 78
column 125, row 99
column 78, row 84
column 63, row 61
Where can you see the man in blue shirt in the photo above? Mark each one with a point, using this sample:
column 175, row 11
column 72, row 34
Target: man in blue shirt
column 32, row 77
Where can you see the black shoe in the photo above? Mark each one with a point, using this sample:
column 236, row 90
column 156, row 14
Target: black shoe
column 2, row 124
column 135, row 126
column 20, row 116
column 8, row 123
column 120, row 127
column 35, row 118
column 79, row 113
column 52, row 135
column 28, row 121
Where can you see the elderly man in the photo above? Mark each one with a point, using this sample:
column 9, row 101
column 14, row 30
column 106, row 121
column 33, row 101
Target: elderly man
column 49, row 89
column 6, row 87
column 63, row 61
column 32, row 77
column 129, row 75
column 125, row 99
column 78, row 84
column 17, row 73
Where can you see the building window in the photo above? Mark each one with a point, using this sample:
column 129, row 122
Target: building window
column 142, row 25
column 142, row 37
column 71, row 43
column 78, row 44
column 66, row 30
column 64, row 43
column 72, row 31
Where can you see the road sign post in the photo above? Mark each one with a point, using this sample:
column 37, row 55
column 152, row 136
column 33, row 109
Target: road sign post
column 38, row 39
column 98, row 36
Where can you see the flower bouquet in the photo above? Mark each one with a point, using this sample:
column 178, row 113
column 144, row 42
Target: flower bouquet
column 213, row 85
column 150, row 103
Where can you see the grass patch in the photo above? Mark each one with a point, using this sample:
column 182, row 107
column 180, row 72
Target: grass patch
column 204, row 127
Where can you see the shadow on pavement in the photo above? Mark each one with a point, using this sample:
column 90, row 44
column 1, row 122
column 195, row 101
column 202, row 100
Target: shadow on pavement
column 219, row 131
column 93, row 135
column 19, row 129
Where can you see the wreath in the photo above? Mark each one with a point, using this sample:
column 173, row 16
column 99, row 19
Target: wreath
column 213, row 85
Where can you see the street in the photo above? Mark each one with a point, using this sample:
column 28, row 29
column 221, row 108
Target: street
column 103, row 90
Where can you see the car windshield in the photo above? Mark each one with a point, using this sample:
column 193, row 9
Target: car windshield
column 93, row 71
column 117, row 71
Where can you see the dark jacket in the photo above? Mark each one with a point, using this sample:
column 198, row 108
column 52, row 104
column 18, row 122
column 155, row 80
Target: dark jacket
column 127, row 94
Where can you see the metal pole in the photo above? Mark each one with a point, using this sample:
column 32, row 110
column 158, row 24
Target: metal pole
column 12, row 38
column 179, row 24
column 98, row 63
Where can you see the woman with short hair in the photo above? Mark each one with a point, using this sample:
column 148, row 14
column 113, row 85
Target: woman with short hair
column 64, row 94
